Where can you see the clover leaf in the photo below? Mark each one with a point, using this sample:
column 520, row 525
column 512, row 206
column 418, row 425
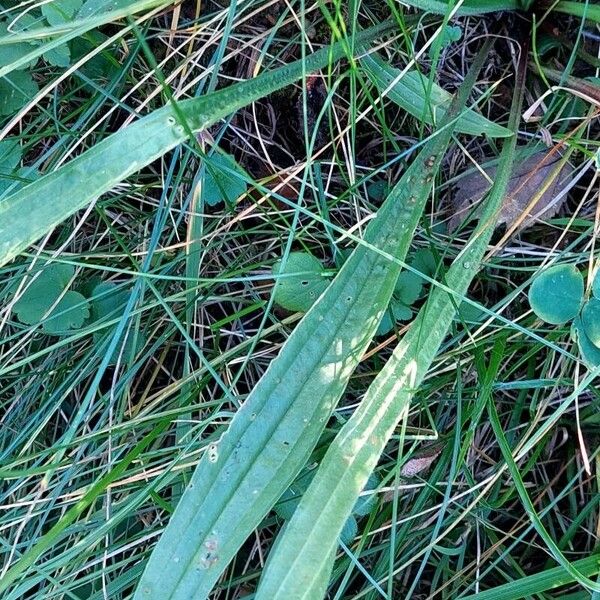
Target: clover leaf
column 44, row 300
column 224, row 180
column 58, row 12
column 300, row 281
column 589, row 352
column 16, row 89
column 556, row 294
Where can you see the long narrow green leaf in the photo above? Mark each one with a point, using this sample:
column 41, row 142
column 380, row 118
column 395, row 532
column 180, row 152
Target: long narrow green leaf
column 528, row 504
column 469, row 7
column 36, row 209
column 272, row 435
column 315, row 526
column 410, row 93
column 480, row 7
column 56, row 36
column 540, row 582
column 589, row 10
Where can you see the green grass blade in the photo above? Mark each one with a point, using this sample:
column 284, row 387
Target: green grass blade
column 410, row 92
column 272, row 435
column 55, row 36
column 48, row 540
column 469, row 7
column 540, row 582
column 33, row 211
column 315, row 526
column 528, row 504
column 579, row 9
column 480, row 7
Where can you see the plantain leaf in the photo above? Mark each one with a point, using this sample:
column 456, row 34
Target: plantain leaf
column 272, row 436
column 95, row 171
column 412, row 92
column 310, row 535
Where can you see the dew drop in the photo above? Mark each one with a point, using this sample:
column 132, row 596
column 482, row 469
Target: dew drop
column 213, row 453
column 467, row 265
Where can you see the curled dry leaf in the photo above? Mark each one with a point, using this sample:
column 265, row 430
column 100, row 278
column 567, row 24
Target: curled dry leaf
column 420, row 461
column 528, row 178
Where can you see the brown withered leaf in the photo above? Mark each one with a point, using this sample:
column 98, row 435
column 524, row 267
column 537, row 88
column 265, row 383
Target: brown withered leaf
column 526, row 180
column 422, row 460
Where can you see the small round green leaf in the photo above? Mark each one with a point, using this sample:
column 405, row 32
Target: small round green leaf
column 108, row 299
column 400, row 311
column 589, row 352
column 408, row 287
column 596, row 284
column 70, row 313
column 10, row 53
column 224, row 180
column 59, row 56
column 424, row 261
column 58, row 12
column 386, row 324
column 590, row 318
column 41, row 291
column 300, row 281
column 16, row 89
column 378, row 190
column 556, row 294
column 10, row 154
